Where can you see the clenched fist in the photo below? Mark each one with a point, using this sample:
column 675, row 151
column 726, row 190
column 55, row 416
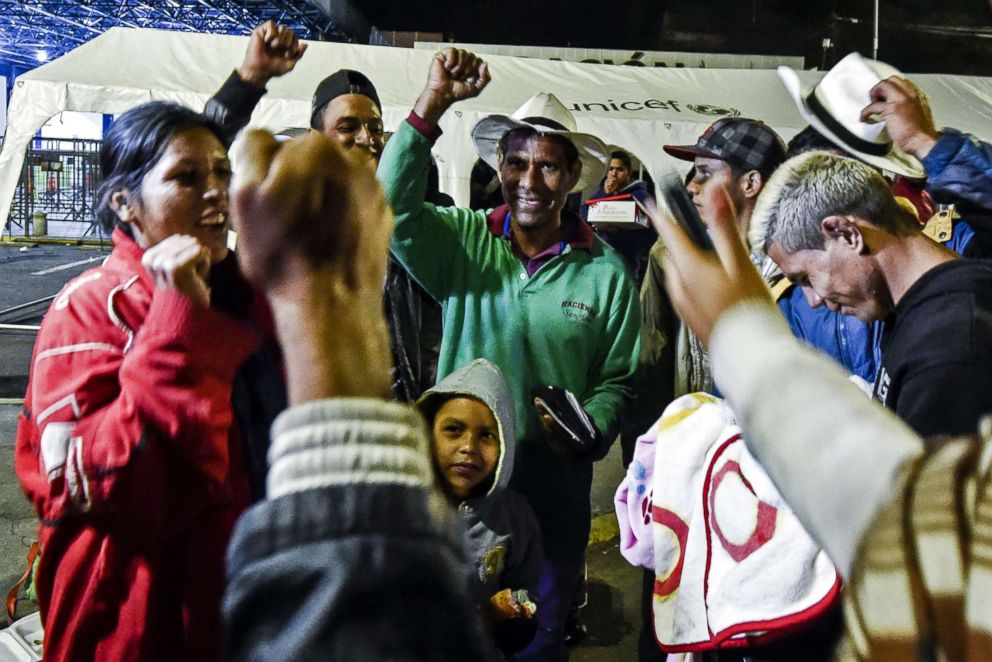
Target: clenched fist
column 455, row 75
column 181, row 263
column 273, row 50
column 313, row 231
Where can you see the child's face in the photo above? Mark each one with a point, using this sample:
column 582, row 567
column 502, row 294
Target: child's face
column 466, row 445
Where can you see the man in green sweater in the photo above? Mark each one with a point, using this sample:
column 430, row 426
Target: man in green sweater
column 529, row 287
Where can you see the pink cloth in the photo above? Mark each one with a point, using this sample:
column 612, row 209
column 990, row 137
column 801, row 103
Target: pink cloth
column 632, row 503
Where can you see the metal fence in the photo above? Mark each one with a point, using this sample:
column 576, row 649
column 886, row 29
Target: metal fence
column 54, row 195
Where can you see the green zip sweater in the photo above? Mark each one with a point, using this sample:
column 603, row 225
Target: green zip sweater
column 574, row 323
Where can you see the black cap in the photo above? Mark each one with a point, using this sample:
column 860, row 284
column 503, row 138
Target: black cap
column 341, row 82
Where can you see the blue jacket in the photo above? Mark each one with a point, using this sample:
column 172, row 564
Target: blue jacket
column 959, row 171
column 846, row 339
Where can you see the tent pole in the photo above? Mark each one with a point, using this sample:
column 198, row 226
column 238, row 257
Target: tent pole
column 874, row 41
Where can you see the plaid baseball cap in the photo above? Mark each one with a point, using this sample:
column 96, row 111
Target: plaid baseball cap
column 747, row 144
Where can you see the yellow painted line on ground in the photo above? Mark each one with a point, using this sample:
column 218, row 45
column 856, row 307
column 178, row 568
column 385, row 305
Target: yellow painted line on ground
column 604, row 528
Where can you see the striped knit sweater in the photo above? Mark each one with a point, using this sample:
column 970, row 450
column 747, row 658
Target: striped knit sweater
column 922, row 585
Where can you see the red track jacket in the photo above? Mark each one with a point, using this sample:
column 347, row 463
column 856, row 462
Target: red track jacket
column 125, row 448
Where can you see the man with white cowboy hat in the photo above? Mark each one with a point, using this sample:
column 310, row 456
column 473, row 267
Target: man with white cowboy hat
column 958, row 166
column 868, row 110
column 833, row 108
column 529, row 287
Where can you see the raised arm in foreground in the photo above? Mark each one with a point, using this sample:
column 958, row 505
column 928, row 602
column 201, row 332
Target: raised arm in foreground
column 370, row 565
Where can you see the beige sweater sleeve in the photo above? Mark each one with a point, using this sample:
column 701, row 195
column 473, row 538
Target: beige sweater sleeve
column 833, row 454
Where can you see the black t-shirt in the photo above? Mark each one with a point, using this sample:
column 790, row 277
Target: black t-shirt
column 936, row 369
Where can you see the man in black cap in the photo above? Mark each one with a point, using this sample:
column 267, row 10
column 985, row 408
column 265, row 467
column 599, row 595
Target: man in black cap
column 345, row 107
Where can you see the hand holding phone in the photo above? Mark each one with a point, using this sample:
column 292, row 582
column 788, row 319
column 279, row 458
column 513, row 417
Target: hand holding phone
column 682, row 209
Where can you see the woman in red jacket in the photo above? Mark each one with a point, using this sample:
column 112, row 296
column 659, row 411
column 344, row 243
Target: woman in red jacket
column 127, row 445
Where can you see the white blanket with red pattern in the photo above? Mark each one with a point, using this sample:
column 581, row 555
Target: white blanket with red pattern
column 733, row 565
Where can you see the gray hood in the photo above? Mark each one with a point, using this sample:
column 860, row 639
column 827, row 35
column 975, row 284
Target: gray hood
column 483, row 381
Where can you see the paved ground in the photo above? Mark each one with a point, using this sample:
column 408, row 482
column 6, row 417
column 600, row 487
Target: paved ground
column 17, row 521
column 31, row 273
column 612, row 616
column 28, row 272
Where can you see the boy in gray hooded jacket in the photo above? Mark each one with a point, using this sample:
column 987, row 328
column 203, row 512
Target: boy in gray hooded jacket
column 471, row 420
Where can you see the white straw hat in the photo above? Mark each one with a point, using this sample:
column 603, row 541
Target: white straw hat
column 833, row 107
column 546, row 114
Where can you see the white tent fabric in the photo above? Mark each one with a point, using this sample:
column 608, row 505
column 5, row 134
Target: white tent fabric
column 633, row 107
column 3, row 101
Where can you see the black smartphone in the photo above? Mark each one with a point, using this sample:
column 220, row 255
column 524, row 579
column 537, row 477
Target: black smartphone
column 680, row 206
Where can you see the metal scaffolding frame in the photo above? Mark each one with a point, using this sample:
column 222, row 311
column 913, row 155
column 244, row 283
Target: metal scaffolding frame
column 55, row 192
column 35, row 31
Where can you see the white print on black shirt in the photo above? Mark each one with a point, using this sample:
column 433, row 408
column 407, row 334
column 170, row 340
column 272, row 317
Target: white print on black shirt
column 882, row 386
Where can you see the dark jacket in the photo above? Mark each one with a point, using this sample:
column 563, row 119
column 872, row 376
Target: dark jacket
column 959, row 172
column 633, row 244
column 231, row 107
column 414, row 321
column 354, row 556
column 653, row 385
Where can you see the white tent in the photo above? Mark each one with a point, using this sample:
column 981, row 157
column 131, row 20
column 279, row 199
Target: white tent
column 633, row 107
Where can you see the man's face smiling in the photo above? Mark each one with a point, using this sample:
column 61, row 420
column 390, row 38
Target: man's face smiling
column 838, row 277
column 355, row 122
column 536, row 178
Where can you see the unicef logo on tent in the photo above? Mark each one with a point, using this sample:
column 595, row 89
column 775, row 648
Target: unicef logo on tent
column 715, row 111
column 630, row 105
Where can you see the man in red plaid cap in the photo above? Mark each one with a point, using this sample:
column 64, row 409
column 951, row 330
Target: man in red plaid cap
column 735, row 155
column 732, row 160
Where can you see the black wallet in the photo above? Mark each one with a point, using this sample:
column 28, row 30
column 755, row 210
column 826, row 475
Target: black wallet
column 580, row 433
